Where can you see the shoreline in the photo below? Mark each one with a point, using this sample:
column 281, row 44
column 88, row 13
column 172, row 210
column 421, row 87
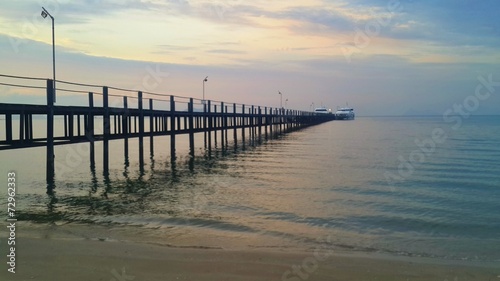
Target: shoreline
column 52, row 253
column 59, row 259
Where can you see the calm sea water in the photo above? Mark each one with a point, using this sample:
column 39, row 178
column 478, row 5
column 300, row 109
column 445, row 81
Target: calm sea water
column 374, row 184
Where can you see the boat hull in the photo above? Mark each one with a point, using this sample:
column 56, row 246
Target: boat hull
column 344, row 116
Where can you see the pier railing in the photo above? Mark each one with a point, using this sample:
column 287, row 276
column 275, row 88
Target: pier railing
column 174, row 116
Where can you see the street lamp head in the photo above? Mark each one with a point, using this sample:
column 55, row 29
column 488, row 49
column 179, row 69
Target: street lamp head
column 206, row 79
column 46, row 13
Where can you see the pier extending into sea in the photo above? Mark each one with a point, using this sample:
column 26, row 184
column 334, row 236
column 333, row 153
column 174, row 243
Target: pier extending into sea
column 118, row 120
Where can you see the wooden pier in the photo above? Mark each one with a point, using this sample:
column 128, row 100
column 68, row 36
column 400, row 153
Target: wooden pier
column 104, row 123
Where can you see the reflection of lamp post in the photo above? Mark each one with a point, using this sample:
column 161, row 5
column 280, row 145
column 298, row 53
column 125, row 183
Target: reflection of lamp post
column 204, row 80
column 45, row 13
column 281, row 99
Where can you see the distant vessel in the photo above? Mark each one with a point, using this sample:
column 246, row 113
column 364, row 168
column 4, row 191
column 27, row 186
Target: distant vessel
column 322, row 110
column 345, row 113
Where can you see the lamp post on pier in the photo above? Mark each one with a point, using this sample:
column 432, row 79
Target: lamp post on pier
column 204, row 80
column 44, row 14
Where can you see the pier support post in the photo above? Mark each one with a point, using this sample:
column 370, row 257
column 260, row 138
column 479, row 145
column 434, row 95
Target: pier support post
column 50, row 135
column 225, row 125
column 172, row 130
column 252, row 125
column 141, row 132
column 235, row 126
column 90, row 130
column 266, row 118
column 107, row 131
column 259, row 110
column 271, row 121
column 152, row 128
column 191, row 128
column 215, row 124
column 243, row 124
column 204, row 102
column 222, row 125
column 209, row 108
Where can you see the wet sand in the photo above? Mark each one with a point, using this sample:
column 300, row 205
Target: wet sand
column 53, row 259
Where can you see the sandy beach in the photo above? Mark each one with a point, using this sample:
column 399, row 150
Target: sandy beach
column 59, row 257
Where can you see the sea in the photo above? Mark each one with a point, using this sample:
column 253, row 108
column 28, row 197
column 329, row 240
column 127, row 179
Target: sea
column 402, row 186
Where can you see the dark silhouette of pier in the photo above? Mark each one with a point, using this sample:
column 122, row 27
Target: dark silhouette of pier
column 90, row 123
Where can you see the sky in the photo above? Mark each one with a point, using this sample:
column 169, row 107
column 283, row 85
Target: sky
column 382, row 57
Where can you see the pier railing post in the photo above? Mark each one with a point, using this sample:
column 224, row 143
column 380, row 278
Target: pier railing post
column 151, row 118
column 125, row 118
column 141, row 114
column 50, row 133
column 8, row 127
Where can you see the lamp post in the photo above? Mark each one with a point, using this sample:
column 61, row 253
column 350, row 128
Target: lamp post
column 204, row 80
column 45, row 13
column 281, row 99
column 286, row 101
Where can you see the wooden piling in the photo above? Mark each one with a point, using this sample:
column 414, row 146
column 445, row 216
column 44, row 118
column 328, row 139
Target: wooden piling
column 225, row 125
column 235, row 126
column 151, row 127
column 215, row 124
column 107, row 131
column 221, row 125
column 172, row 129
column 259, row 112
column 191, row 128
column 141, row 131
column 266, row 118
column 243, row 124
column 50, row 134
column 90, row 130
column 209, row 129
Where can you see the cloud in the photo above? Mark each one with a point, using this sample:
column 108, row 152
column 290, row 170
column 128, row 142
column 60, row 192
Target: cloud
column 225, row 51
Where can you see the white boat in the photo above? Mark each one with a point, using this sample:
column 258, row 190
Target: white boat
column 322, row 110
column 344, row 113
